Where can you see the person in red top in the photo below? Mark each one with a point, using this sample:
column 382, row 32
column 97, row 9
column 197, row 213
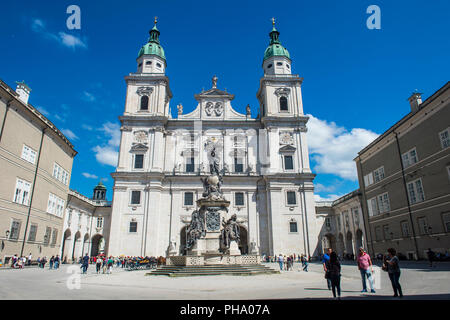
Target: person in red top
column 364, row 263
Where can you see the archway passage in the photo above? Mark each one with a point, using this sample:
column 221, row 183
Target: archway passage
column 97, row 245
column 349, row 245
column 359, row 239
column 65, row 250
column 76, row 252
column 340, row 245
column 329, row 241
column 243, row 243
column 85, row 245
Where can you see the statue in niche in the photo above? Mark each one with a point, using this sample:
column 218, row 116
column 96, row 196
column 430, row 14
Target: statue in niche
column 230, row 232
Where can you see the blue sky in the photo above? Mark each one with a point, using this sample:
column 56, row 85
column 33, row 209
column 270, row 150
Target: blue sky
column 356, row 80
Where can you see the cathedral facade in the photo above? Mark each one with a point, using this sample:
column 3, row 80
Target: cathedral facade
column 264, row 161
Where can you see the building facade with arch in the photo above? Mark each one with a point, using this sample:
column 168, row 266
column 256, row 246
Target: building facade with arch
column 264, row 161
column 86, row 224
column 341, row 225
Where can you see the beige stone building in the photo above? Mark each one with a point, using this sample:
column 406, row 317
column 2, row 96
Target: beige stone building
column 341, row 225
column 404, row 177
column 35, row 168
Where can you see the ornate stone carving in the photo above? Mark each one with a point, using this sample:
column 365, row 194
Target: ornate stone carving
column 218, row 109
column 282, row 92
column 286, row 138
column 180, row 109
column 144, row 91
column 213, row 218
column 230, row 232
column 212, row 108
column 196, row 229
column 140, row 136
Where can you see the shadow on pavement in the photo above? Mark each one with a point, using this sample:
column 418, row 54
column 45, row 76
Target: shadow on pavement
column 322, row 289
column 439, row 296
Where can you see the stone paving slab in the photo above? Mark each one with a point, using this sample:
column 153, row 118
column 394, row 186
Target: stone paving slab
column 418, row 282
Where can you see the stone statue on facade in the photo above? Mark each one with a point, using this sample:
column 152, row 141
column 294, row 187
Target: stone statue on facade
column 230, row 232
column 212, row 183
column 214, row 82
column 180, row 109
column 196, row 229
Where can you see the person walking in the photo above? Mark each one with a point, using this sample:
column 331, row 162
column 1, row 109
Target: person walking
column 334, row 274
column 29, row 259
column 280, row 261
column 57, row 261
column 104, row 265
column 52, row 261
column 85, row 263
column 391, row 265
column 43, row 262
column 305, row 264
column 364, row 263
column 110, row 265
column 326, row 258
column 431, row 256
column 98, row 264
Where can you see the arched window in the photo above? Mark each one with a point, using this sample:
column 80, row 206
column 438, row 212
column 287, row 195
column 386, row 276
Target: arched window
column 144, row 103
column 283, row 104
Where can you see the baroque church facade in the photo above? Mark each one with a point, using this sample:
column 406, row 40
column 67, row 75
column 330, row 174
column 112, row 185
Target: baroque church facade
column 264, row 161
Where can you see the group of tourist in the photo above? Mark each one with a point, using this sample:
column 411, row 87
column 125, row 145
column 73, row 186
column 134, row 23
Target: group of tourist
column 286, row 263
column 19, row 262
column 106, row 264
column 332, row 269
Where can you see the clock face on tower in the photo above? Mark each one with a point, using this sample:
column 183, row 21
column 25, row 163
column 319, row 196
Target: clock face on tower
column 286, row 138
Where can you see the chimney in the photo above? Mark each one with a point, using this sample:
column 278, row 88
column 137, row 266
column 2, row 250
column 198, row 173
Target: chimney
column 415, row 100
column 24, row 91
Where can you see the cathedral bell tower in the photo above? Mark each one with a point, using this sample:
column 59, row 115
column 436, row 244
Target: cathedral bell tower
column 148, row 91
column 279, row 94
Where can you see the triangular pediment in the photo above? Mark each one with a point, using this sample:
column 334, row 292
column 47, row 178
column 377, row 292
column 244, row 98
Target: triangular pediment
column 214, row 93
column 288, row 148
column 139, row 147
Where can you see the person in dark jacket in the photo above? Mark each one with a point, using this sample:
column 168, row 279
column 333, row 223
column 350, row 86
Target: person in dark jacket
column 85, row 263
column 391, row 264
column 334, row 274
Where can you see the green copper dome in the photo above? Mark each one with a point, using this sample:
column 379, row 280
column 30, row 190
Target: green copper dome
column 153, row 46
column 100, row 186
column 275, row 48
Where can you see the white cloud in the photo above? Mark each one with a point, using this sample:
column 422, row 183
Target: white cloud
column 87, row 127
column 333, row 148
column 71, row 41
column 321, row 188
column 89, row 97
column 89, row 176
column 69, row 134
column 65, row 39
column 330, row 197
column 108, row 154
column 113, row 131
